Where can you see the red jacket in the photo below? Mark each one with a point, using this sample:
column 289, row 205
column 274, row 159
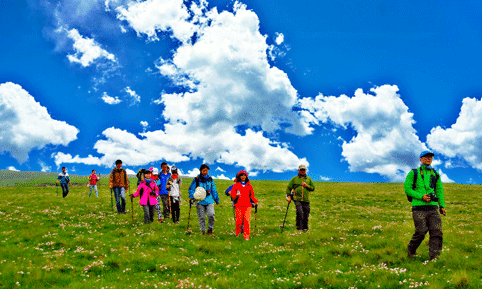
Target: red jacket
column 147, row 193
column 93, row 179
column 247, row 193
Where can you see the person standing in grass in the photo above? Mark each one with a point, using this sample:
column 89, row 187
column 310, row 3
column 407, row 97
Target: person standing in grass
column 425, row 192
column 93, row 179
column 148, row 192
column 64, row 182
column 206, row 206
column 174, row 187
column 119, row 182
column 163, row 193
column 298, row 190
column 242, row 194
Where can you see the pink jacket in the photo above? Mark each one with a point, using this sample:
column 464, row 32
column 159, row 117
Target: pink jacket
column 146, row 193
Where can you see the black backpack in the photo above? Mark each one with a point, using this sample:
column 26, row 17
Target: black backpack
column 414, row 185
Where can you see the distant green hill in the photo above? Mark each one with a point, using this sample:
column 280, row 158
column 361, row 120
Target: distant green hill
column 28, row 179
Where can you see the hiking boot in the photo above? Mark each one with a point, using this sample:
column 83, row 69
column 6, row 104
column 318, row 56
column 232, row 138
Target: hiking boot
column 160, row 220
column 210, row 232
column 410, row 254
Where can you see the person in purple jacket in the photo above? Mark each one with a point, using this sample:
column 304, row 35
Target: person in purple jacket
column 148, row 192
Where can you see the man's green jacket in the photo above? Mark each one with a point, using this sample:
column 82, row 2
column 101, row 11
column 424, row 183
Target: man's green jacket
column 422, row 187
column 300, row 193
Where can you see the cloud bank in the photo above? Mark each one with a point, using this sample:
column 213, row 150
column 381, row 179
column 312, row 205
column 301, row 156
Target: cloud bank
column 27, row 125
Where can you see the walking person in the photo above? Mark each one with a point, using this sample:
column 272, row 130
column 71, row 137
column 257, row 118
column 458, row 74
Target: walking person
column 174, row 187
column 64, row 182
column 298, row 190
column 163, row 193
column 93, row 179
column 148, row 192
column 425, row 192
column 119, row 182
column 242, row 194
column 205, row 206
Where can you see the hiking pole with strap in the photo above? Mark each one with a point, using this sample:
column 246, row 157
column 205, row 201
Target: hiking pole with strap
column 189, row 218
column 287, row 208
column 255, row 214
column 132, row 208
column 111, row 200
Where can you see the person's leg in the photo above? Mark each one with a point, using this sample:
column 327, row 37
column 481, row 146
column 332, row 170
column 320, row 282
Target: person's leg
column 96, row 192
column 201, row 214
column 123, row 199
column 90, row 192
column 306, row 215
column 175, row 208
column 239, row 220
column 421, row 228
column 246, row 221
column 146, row 213
column 299, row 215
column 435, row 234
column 158, row 209
column 117, row 194
column 67, row 189
column 165, row 205
column 152, row 209
column 210, row 212
column 64, row 189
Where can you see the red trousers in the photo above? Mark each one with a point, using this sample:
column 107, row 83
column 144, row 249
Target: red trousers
column 243, row 214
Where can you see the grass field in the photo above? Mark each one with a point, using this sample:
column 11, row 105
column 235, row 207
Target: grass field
column 357, row 239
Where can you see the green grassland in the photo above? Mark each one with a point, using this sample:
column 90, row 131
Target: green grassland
column 357, row 239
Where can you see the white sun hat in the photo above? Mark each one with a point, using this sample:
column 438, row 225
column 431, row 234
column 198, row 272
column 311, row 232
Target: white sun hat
column 200, row 194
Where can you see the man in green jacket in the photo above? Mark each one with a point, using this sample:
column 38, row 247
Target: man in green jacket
column 426, row 193
column 298, row 190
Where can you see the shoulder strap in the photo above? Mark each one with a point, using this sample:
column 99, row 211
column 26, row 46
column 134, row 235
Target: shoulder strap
column 415, row 176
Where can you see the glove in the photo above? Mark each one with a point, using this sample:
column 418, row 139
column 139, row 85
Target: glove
column 132, row 196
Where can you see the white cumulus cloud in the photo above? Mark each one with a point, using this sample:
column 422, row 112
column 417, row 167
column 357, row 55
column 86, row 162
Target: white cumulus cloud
column 44, row 167
column 27, row 125
column 463, row 139
column 110, row 100
column 385, row 143
column 280, row 38
column 12, row 168
column 87, row 50
column 135, row 98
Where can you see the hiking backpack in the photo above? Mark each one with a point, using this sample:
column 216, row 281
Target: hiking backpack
column 414, row 184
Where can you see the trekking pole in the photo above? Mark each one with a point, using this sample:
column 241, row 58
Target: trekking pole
column 132, row 209
column 287, row 208
column 169, row 198
column 189, row 218
column 111, row 200
column 255, row 215
column 57, row 188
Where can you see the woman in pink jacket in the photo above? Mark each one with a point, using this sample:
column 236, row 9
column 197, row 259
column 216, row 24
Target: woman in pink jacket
column 242, row 193
column 148, row 191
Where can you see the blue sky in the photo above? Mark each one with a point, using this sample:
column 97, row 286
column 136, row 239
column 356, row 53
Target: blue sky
column 355, row 89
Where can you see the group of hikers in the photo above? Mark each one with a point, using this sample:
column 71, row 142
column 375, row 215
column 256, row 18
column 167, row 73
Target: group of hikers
column 423, row 188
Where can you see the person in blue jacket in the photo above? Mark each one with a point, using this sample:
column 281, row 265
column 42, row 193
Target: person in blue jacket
column 206, row 206
column 64, row 182
column 163, row 192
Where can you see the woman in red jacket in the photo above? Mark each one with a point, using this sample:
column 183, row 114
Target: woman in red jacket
column 242, row 193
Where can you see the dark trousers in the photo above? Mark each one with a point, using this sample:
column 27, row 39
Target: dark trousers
column 165, row 206
column 175, row 210
column 427, row 221
column 302, row 214
column 149, row 213
column 65, row 189
column 120, row 199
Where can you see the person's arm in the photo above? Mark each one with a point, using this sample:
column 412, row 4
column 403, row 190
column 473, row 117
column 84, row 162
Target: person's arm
column 408, row 187
column 214, row 192
column 192, row 188
column 310, row 185
column 439, row 191
column 111, row 179
column 252, row 196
